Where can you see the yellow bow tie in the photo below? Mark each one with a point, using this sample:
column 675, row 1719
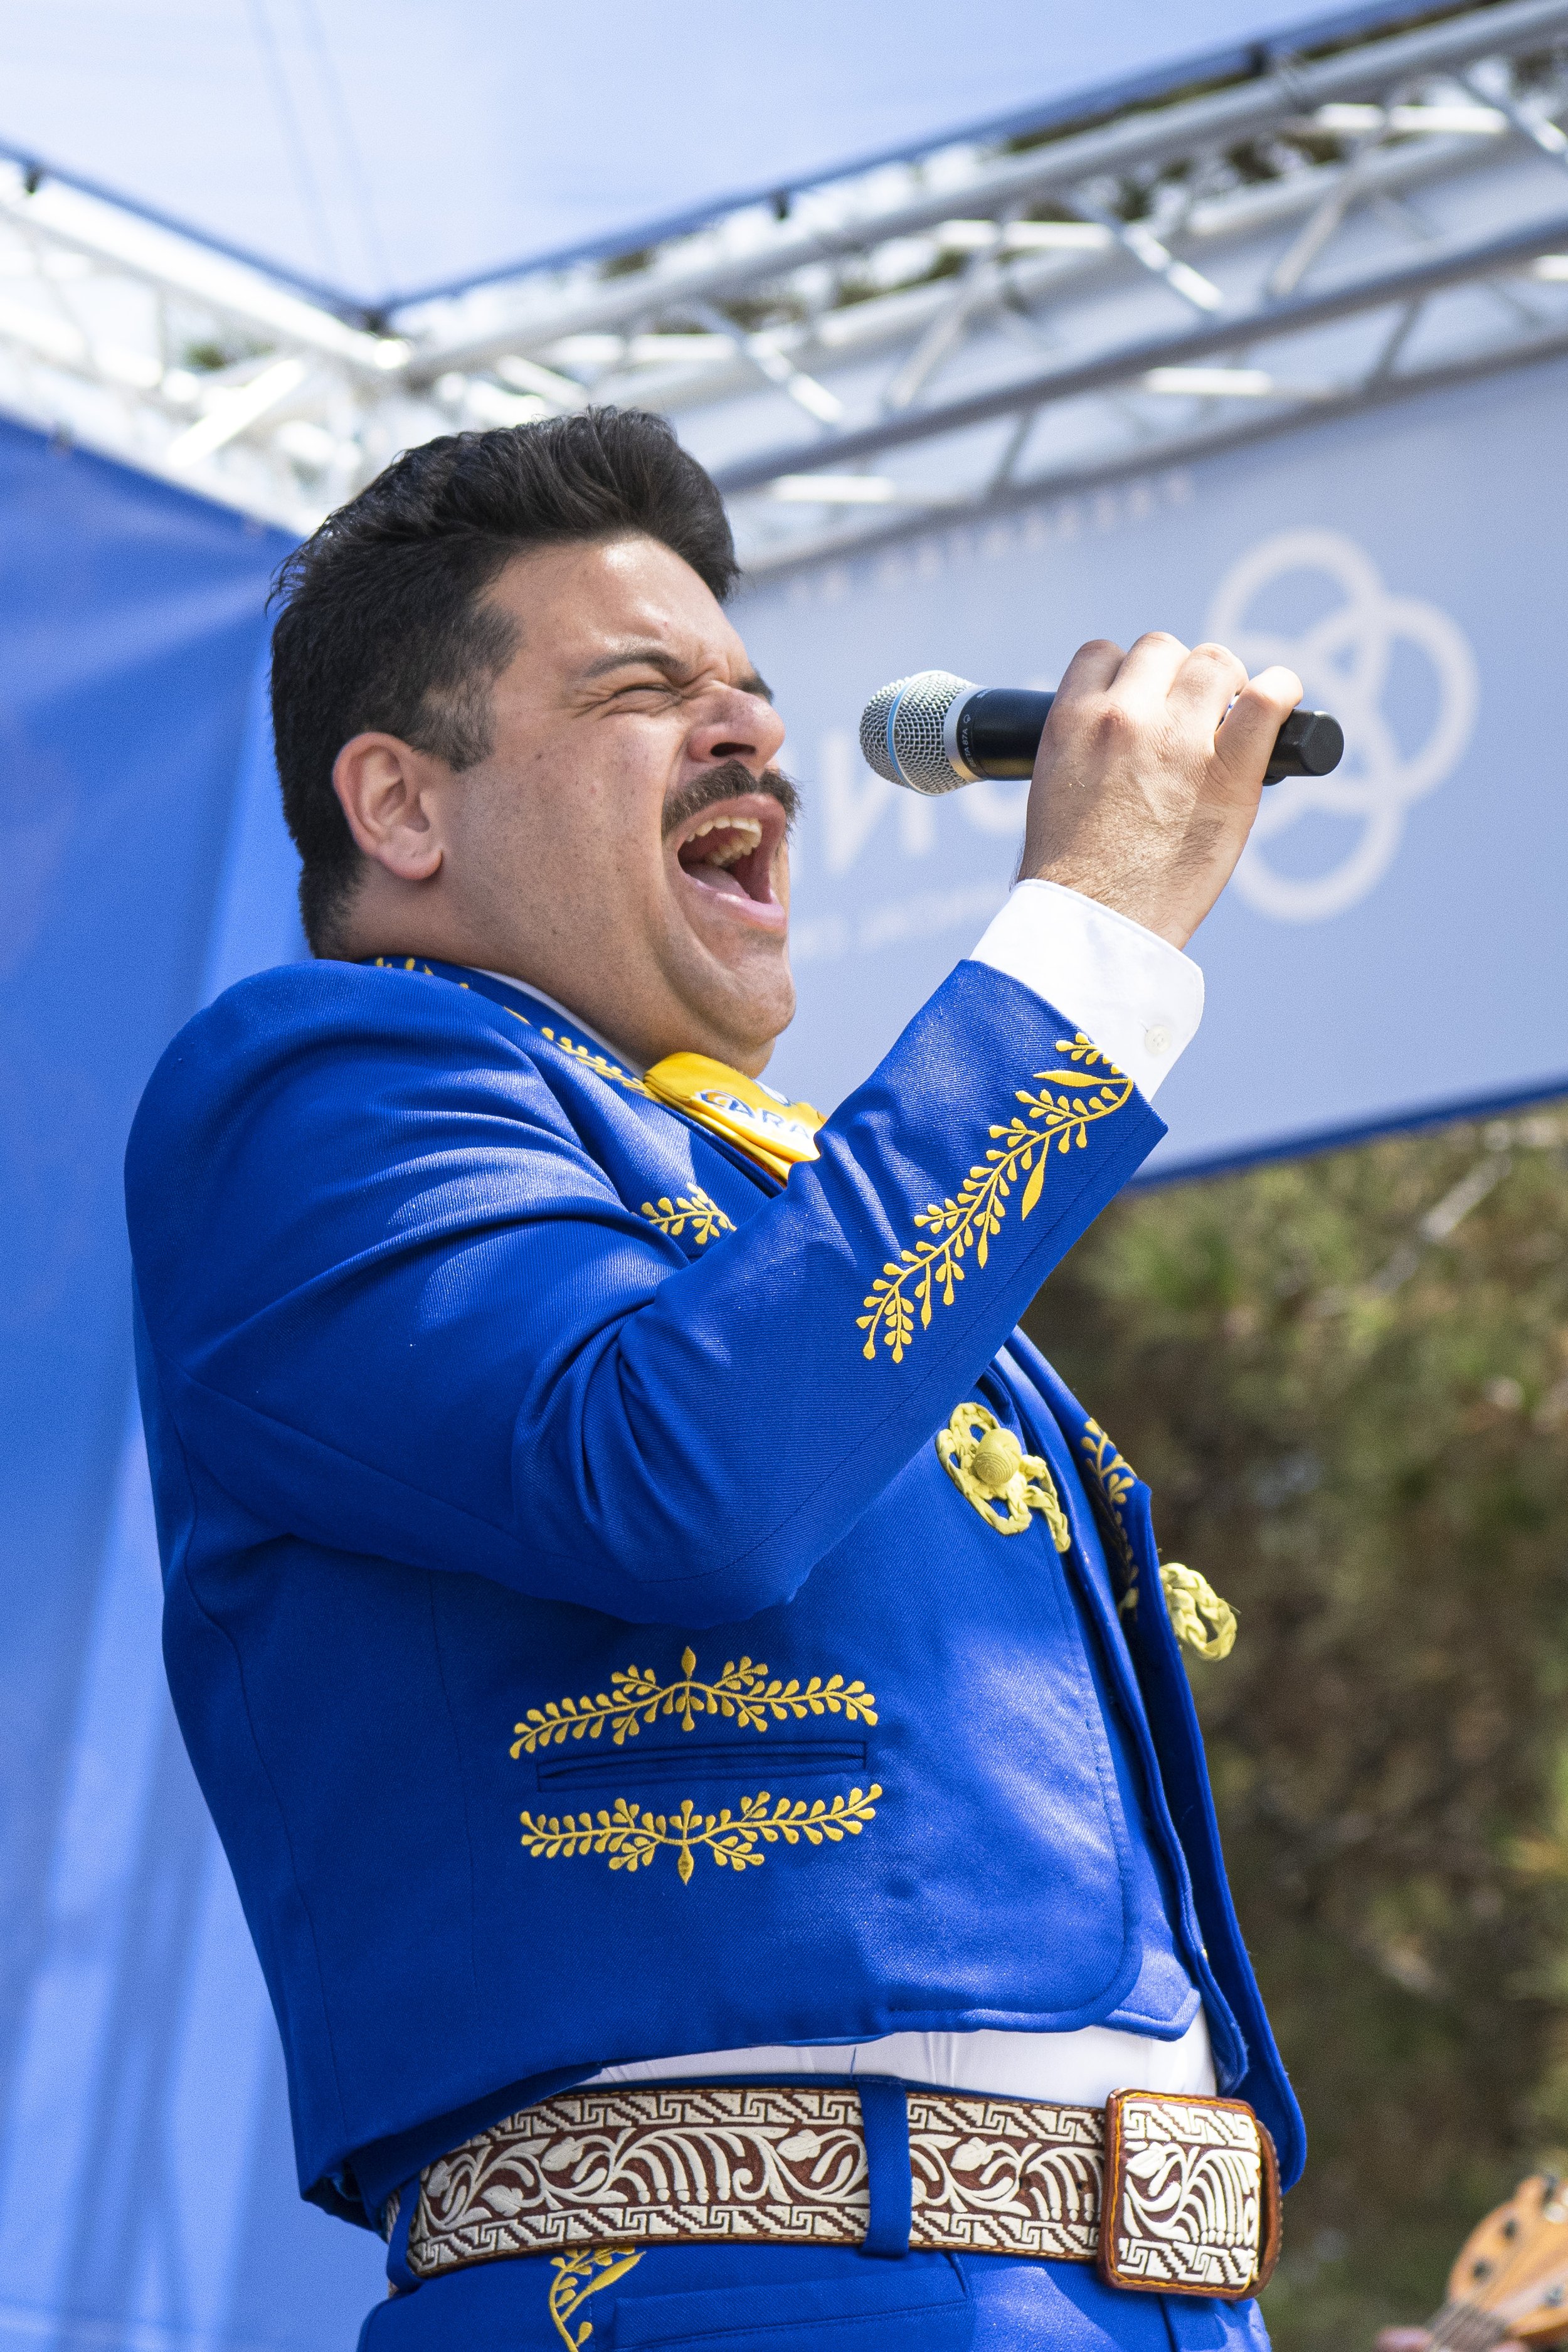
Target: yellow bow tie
column 756, row 1118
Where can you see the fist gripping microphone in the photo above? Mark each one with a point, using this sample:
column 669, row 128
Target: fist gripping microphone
column 935, row 731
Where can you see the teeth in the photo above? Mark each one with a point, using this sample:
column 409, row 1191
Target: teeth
column 744, row 835
column 746, row 825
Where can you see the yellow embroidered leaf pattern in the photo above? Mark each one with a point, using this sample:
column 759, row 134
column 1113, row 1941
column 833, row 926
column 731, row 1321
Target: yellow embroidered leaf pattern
column 698, row 1209
column 630, row 1836
column 1115, row 1477
column 605, row 1068
column 409, row 964
column 577, row 2276
column 956, row 1226
column 743, row 1692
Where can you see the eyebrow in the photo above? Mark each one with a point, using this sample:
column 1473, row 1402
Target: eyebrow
column 658, row 657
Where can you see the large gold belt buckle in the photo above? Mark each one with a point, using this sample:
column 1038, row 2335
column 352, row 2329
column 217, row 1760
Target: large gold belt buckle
column 1191, row 2202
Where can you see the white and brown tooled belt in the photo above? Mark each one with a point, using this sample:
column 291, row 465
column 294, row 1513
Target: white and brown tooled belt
column 1191, row 2206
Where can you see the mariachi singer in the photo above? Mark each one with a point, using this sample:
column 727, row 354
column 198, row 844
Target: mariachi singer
column 692, row 1703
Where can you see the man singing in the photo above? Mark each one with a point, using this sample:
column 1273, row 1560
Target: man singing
column 692, row 1702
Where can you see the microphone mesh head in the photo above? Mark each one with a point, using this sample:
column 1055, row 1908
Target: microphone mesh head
column 917, row 708
column 874, row 731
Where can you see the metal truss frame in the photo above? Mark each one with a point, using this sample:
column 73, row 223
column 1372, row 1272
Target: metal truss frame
column 946, row 336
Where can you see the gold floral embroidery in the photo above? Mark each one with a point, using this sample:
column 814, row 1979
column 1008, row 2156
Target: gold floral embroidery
column 1115, row 1477
column 410, row 965
column 1190, row 1599
column 991, row 1471
column 742, row 1691
column 577, row 2276
column 698, row 1209
column 977, row 1215
column 605, row 1068
column 632, row 1834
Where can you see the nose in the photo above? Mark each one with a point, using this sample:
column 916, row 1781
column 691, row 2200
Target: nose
column 737, row 726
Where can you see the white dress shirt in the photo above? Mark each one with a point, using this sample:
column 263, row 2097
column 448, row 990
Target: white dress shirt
column 1139, row 998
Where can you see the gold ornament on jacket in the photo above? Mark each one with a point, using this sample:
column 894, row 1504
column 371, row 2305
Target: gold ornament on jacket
column 1191, row 1600
column 991, row 1471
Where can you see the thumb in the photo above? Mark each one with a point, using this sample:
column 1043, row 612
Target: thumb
column 1248, row 731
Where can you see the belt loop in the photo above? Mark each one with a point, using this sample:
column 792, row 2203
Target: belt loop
column 885, row 2115
column 400, row 2278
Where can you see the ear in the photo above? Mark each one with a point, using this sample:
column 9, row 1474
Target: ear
column 389, row 794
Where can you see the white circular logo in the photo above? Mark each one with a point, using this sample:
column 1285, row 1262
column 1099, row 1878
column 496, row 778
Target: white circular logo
column 1342, row 660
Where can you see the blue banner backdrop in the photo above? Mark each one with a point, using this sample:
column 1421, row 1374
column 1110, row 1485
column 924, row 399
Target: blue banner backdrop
column 1394, row 942
column 146, row 2180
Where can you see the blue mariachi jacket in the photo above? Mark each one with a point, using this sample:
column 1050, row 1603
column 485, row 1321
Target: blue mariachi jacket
column 581, row 1645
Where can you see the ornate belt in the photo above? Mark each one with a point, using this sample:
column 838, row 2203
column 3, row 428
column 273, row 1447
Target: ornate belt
column 1173, row 2195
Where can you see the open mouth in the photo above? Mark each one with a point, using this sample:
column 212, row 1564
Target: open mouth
column 730, row 850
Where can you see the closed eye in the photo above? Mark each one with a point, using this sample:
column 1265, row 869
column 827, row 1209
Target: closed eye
column 662, row 675
column 665, row 689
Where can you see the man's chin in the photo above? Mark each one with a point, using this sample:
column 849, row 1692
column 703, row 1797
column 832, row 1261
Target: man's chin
column 738, row 1005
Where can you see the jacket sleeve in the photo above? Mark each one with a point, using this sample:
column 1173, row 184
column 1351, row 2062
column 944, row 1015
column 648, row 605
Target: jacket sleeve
column 395, row 1306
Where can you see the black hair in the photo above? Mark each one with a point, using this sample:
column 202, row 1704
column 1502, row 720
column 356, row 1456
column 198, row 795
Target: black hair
column 383, row 622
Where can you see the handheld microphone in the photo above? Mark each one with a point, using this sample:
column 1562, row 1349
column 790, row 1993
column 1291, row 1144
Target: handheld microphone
column 934, row 732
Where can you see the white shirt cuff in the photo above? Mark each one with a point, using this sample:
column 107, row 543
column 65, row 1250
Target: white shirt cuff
column 1139, row 998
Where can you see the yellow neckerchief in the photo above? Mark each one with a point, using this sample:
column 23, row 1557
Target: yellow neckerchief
column 756, row 1118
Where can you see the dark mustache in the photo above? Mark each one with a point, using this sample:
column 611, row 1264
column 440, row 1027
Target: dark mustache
column 722, row 784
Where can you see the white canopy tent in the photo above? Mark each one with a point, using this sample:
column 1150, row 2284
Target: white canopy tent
column 1228, row 241
column 378, row 150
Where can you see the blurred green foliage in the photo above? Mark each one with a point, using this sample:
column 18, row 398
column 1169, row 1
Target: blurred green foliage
column 1355, row 1424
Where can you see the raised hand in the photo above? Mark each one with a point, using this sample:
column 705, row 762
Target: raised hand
column 1149, row 775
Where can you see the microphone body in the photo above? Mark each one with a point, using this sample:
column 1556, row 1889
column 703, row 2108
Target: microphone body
column 934, row 732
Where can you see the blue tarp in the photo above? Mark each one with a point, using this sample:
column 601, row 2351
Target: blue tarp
column 145, row 2179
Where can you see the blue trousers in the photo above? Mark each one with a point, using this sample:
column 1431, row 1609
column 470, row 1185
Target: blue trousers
column 797, row 2299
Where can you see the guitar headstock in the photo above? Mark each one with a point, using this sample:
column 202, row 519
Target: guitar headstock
column 1511, row 2280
